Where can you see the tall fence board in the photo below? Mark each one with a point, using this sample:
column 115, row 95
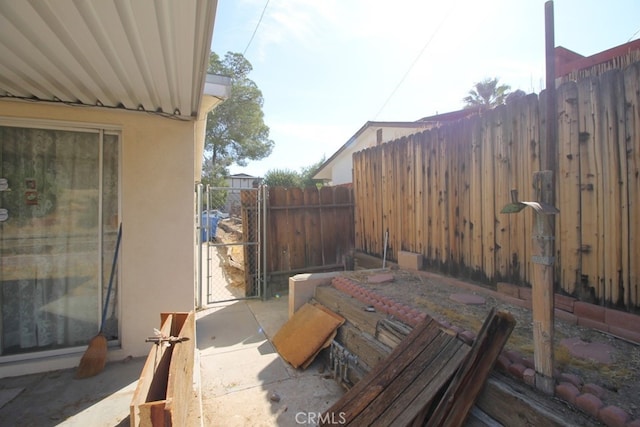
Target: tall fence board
column 308, row 229
column 440, row 192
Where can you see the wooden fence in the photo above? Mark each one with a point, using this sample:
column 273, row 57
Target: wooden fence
column 440, row 192
column 308, row 230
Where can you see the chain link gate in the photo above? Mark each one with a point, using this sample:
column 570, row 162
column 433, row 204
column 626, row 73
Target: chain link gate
column 231, row 243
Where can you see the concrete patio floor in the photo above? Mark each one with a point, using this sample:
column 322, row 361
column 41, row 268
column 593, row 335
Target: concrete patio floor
column 243, row 381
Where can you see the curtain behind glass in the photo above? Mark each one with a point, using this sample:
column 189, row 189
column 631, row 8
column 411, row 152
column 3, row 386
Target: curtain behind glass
column 49, row 245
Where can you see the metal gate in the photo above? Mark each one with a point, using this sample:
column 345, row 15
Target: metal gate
column 231, row 244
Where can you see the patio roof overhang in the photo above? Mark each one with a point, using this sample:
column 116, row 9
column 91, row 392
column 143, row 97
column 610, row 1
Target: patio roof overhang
column 142, row 55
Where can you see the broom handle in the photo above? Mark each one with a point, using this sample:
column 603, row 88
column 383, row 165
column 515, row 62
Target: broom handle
column 113, row 269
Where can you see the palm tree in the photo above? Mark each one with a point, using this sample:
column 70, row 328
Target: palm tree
column 486, row 94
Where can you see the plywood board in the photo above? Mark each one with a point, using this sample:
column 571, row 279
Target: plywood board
column 306, row 333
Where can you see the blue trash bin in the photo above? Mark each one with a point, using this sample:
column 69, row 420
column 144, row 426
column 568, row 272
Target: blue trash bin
column 209, row 225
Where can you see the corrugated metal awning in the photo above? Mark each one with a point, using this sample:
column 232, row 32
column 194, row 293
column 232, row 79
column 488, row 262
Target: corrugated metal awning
column 148, row 55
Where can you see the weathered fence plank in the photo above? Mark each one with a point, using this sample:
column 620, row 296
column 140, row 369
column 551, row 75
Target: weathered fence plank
column 568, row 183
column 632, row 121
column 440, row 191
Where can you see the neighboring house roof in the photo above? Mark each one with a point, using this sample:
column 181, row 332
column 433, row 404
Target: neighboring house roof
column 368, row 136
column 367, row 131
column 135, row 55
column 568, row 63
column 242, row 176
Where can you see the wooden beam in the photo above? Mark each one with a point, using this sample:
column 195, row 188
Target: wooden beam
column 543, row 291
column 513, row 403
column 470, row 378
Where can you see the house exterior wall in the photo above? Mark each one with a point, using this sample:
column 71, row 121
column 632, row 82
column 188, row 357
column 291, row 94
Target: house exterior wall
column 241, row 182
column 342, row 168
column 156, row 260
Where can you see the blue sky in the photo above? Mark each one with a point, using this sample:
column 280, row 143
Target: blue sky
column 325, row 67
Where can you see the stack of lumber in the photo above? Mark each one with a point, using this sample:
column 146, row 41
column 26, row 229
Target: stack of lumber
column 372, row 336
column 430, row 377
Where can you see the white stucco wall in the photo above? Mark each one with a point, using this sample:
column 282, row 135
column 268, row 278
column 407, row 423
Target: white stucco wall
column 157, row 205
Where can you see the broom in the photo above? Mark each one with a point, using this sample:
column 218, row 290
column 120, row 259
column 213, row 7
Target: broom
column 95, row 357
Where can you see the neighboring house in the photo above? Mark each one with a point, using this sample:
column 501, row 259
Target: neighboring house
column 238, row 181
column 103, row 108
column 337, row 169
column 243, row 180
column 570, row 65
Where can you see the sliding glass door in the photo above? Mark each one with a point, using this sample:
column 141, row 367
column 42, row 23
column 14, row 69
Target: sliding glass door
column 58, row 227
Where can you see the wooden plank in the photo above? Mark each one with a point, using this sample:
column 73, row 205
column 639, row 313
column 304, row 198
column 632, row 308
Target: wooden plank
column 532, row 131
column 588, row 192
column 632, row 121
column 431, row 200
column 457, row 170
column 370, row 351
column 391, row 332
column 418, row 386
column 358, row 183
column 277, row 256
column 599, row 151
column 488, row 197
column 153, row 414
column 375, row 210
column 349, row 308
column 180, row 382
column 442, row 225
column 395, row 219
column 328, row 226
column 344, row 220
column 409, row 230
column 313, row 237
column 152, row 387
column 359, row 397
column 449, row 200
column 418, row 200
column 470, row 378
column 615, row 211
column 515, row 110
column 503, row 185
column 296, row 232
column 568, row 196
column 475, row 191
column 464, row 195
column 513, row 403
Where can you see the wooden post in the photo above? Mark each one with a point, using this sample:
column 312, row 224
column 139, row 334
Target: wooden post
column 544, row 230
column 542, row 294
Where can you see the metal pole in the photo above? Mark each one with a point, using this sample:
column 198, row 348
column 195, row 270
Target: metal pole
column 199, row 243
column 264, row 242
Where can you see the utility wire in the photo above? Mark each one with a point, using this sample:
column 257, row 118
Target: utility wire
column 393, row 92
column 256, row 29
column 633, row 35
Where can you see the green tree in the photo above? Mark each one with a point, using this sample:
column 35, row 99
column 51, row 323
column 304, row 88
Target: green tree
column 486, row 94
column 282, row 178
column 306, row 174
column 290, row 178
column 236, row 132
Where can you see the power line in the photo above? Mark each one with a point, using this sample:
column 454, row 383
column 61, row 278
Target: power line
column 256, row 29
column 414, row 62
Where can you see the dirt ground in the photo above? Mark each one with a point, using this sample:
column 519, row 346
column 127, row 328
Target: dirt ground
column 620, row 379
column 230, row 231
